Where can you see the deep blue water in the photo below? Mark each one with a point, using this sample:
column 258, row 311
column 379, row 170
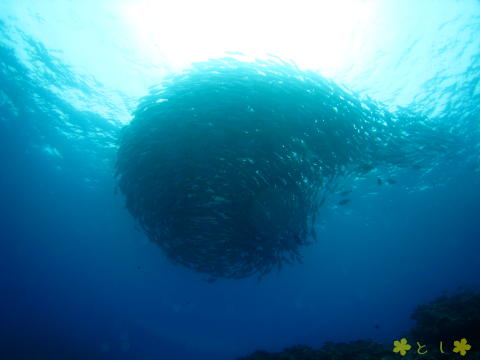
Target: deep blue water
column 78, row 279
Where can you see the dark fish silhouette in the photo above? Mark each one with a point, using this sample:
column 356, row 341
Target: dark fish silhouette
column 379, row 181
column 344, row 202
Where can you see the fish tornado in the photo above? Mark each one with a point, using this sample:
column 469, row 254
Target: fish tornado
column 225, row 164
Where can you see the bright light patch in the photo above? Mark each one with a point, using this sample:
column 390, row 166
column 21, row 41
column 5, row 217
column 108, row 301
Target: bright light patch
column 324, row 35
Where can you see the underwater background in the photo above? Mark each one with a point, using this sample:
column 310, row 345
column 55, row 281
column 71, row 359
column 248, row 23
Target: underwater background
column 79, row 279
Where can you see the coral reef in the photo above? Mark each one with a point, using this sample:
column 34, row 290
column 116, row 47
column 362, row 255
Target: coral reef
column 356, row 350
column 447, row 319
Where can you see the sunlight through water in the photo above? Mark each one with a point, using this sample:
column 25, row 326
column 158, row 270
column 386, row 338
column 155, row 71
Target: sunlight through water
column 315, row 34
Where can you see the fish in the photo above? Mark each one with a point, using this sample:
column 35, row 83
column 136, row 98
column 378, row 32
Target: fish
column 345, row 193
column 231, row 155
column 344, row 202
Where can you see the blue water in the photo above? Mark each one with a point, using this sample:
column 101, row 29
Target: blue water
column 79, row 279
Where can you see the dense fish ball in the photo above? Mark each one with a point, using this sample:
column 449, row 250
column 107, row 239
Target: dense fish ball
column 224, row 165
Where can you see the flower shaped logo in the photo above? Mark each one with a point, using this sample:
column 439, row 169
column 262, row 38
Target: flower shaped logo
column 461, row 346
column 401, row 346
